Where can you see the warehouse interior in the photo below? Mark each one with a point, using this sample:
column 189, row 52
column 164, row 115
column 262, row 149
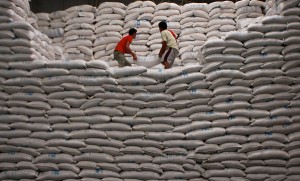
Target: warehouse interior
column 227, row 110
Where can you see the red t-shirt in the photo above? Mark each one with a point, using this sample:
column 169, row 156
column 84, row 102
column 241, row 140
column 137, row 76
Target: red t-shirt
column 121, row 46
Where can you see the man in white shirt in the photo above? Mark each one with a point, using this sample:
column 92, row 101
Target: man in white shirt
column 168, row 43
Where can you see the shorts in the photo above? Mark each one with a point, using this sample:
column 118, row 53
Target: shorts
column 120, row 58
column 170, row 56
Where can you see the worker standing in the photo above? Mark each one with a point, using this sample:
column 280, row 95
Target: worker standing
column 168, row 43
column 123, row 47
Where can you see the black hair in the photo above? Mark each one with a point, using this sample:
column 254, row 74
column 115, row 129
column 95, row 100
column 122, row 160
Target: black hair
column 132, row 31
column 163, row 25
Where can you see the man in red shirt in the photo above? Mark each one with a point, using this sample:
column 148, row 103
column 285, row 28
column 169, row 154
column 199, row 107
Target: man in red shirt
column 123, row 47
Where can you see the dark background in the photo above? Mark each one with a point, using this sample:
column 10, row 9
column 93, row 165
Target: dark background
column 49, row 6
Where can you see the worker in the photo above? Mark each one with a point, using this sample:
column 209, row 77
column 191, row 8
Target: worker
column 168, row 43
column 123, row 47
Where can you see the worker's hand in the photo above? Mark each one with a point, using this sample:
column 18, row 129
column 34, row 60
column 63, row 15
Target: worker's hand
column 134, row 57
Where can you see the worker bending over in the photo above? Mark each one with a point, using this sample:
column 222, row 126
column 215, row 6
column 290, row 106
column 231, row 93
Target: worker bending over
column 168, row 43
column 123, row 47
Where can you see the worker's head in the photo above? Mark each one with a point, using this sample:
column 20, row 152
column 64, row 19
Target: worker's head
column 132, row 32
column 162, row 26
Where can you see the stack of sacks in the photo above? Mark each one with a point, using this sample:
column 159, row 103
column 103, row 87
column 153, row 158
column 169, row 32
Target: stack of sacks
column 43, row 21
column 269, row 53
column 52, row 26
column 109, row 24
column 20, row 41
column 151, row 125
column 23, row 9
column 255, row 84
column 216, row 149
column 236, row 117
column 248, row 11
column 169, row 12
column 271, row 7
column 42, row 44
column 57, row 25
column 42, row 116
column 132, row 152
column 193, row 28
column 221, row 16
column 79, row 32
column 230, row 112
column 218, row 52
column 285, row 8
column 19, row 10
column 56, row 32
column 32, row 19
column 59, row 124
column 139, row 16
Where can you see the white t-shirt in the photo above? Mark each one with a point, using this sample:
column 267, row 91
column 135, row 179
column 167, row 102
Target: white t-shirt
column 167, row 36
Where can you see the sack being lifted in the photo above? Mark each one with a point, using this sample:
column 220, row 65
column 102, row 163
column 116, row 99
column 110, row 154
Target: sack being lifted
column 146, row 61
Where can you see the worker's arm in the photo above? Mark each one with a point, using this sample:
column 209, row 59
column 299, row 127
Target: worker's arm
column 163, row 49
column 128, row 50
